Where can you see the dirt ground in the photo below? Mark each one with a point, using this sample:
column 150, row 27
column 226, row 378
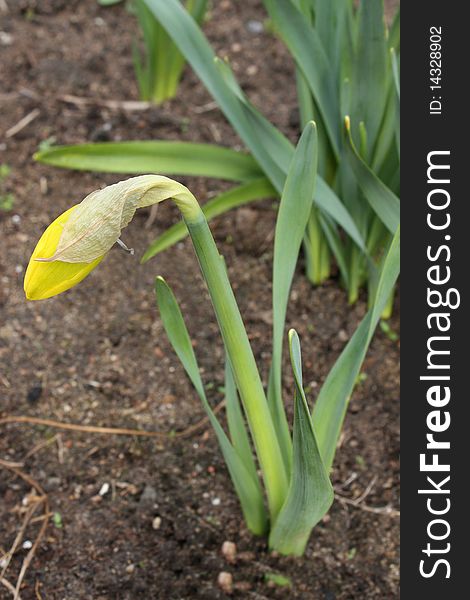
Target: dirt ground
column 98, row 354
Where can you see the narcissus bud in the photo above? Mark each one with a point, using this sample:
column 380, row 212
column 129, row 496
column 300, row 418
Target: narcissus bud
column 77, row 241
column 46, row 279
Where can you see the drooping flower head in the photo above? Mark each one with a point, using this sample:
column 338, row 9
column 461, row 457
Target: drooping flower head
column 78, row 240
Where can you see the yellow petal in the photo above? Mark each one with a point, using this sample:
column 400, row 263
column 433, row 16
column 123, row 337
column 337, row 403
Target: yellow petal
column 46, row 279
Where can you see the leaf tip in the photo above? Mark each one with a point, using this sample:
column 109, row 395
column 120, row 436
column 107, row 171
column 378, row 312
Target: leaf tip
column 293, row 336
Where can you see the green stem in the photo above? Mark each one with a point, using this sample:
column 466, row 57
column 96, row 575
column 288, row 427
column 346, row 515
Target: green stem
column 240, row 356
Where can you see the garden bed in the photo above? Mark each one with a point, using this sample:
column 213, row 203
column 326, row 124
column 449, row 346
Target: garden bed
column 98, row 355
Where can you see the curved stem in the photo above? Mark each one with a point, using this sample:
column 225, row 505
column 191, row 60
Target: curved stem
column 240, row 354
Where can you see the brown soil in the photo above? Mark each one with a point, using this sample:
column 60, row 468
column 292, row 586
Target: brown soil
column 98, row 354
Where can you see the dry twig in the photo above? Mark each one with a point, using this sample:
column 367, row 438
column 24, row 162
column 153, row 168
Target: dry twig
column 43, row 499
column 9, row 587
column 127, row 105
column 109, row 430
column 22, row 123
column 359, row 501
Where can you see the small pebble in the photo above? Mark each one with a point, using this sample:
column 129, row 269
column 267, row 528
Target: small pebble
column 104, row 489
column 130, row 568
column 252, row 70
column 156, row 523
column 229, row 551
column 6, row 39
column 16, row 219
column 215, row 501
column 254, row 26
column 27, row 545
column 225, row 582
column 43, row 186
column 149, row 496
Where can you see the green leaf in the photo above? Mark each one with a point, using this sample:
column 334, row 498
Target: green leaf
column 307, row 49
column 197, row 9
column 277, row 579
column 292, row 218
column 395, row 70
column 238, row 196
column 310, row 492
column 382, row 200
column 388, row 131
column 171, row 158
column 394, row 31
column 332, row 402
column 248, row 488
column 197, row 51
column 369, row 79
column 328, row 201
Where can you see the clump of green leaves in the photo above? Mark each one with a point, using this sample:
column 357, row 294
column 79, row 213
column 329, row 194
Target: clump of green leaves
column 159, row 67
column 294, row 465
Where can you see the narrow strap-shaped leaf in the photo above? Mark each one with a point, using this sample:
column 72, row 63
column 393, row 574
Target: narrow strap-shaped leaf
column 395, row 70
column 304, row 98
column 108, row 2
column 395, row 58
column 310, row 492
column 248, row 488
column 382, row 200
column 328, row 201
column 388, row 129
column 197, row 9
column 292, row 218
column 307, row 49
column 330, row 407
column 370, row 74
column 139, row 71
column 198, row 52
column 269, row 146
column 238, row 196
column 394, row 31
column 172, row 158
